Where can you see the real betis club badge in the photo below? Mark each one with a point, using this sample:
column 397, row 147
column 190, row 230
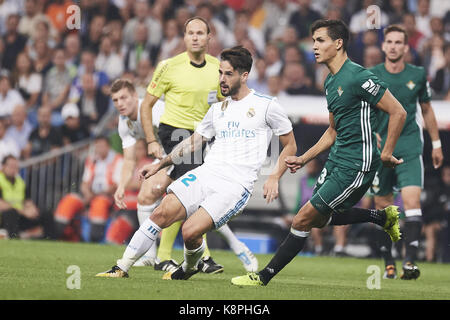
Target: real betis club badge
column 340, row 91
column 410, row 85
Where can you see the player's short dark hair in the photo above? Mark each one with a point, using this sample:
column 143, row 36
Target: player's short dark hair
column 102, row 137
column 119, row 84
column 395, row 28
column 239, row 58
column 336, row 29
column 208, row 30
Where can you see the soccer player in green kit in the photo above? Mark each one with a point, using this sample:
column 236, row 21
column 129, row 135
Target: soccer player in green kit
column 352, row 93
column 409, row 85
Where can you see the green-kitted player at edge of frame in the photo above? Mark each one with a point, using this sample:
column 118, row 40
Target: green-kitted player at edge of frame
column 353, row 96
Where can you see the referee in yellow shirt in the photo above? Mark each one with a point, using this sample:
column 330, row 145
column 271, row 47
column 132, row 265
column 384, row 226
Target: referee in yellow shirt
column 190, row 84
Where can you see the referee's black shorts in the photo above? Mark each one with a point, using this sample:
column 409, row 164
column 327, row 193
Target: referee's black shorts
column 170, row 137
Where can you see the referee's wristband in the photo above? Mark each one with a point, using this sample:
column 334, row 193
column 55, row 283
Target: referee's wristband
column 436, row 144
column 148, row 142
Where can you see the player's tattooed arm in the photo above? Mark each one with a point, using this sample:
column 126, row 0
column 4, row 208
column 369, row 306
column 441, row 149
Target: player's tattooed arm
column 181, row 153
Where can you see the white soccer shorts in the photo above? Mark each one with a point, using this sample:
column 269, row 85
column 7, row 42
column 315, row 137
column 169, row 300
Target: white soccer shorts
column 222, row 199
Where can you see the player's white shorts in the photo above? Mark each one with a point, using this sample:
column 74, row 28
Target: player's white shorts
column 222, row 199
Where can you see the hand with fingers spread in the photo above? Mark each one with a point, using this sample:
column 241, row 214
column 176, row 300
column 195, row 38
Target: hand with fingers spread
column 294, row 163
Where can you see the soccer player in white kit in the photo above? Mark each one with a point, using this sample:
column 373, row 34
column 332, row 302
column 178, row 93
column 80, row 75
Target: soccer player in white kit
column 125, row 99
column 213, row 193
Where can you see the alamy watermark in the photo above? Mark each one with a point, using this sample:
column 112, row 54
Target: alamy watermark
column 73, row 21
column 373, row 17
column 74, row 280
column 374, row 280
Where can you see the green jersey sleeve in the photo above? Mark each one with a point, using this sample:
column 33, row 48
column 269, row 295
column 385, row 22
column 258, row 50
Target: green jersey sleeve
column 424, row 93
column 368, row 87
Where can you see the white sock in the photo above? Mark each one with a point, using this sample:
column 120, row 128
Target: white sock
column 192, row 257
column 140, row 243
column 143, row 213
column 234, row 243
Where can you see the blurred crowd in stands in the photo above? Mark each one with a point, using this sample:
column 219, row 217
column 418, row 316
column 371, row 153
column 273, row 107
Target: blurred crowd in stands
column 54, row 80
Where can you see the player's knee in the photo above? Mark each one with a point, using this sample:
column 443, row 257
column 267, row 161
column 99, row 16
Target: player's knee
column 301, row 222
column 192, row 236
column 149, row 196
column 160, row 216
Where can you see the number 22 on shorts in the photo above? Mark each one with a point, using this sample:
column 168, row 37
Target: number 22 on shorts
column 189, row 178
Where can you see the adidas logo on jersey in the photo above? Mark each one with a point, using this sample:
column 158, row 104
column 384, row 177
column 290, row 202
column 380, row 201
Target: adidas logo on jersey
column 371, row 87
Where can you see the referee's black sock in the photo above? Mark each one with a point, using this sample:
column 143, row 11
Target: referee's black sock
column 412, row 231
column 358, row 215
column 290, row 247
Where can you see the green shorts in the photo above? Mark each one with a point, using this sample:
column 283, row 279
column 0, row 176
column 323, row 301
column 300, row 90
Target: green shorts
column 339, row 188
column 388, row 180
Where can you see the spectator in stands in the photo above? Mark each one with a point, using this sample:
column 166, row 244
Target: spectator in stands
column 441, row 81
column 144, row 74
column 423, row 17
column 182, row 14
column 100, row 178
column 14, row 42
column 360, row 19
column 125, row 222
column 415, row 37
column 372, row 56
column 57, row 13
column 395, row 11
column 109, row 61
column 9, row 97
column 18, row 215
column 171, row 40
column 92, row 102
column 30, row 18
column 73, row 129
column 45, row 137
column 243, row 30
column 87, row 65
column 91, row 39
column 56, row 86
column 277, row 21
column 302, row 19
column 142, row 14
column 259, row 84
column 27, row 81
column 295, row 80
column 362, row 40
column 72, row 49
column 7, row 145
column 274, row 85
column 42, row 61
column 218, row 28
column 20, row 129
column 436, row 209
column 433, row 55
column 140, row 49
column 41, row 31
column 272, row 57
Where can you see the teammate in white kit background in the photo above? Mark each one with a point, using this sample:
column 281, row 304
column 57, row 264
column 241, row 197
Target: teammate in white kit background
column 210, row 195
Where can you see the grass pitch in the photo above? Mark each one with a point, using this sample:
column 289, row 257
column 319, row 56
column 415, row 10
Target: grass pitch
column 37, row 270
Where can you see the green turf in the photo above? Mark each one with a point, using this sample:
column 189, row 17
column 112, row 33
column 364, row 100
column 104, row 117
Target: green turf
column 37, row 270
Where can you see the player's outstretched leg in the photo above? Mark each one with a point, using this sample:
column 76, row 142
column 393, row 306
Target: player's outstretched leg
column 239, row 248
column 141, row 241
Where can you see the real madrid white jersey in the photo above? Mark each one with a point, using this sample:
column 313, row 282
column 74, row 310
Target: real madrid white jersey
column 242, row 130
column 130, row 131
